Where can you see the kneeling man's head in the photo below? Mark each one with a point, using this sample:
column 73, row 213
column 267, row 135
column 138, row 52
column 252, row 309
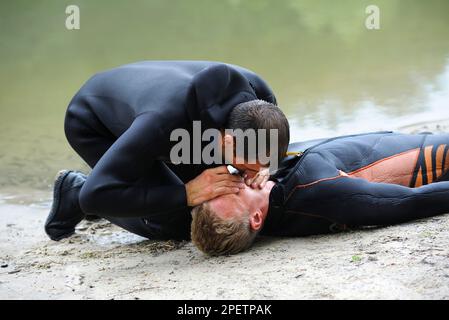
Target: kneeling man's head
column 260, row 118
column 229, row 224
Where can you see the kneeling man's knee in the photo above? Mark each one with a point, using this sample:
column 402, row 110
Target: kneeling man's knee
column 72, row 125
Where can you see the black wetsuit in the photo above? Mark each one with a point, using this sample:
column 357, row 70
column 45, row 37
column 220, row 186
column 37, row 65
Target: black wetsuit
column 371, row 179
column 120, row 123
column 362, row 180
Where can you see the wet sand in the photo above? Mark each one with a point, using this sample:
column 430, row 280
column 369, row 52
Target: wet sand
column 408, row 261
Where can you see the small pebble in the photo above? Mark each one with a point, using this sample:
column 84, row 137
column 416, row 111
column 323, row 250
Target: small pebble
column 14, row 271
column 4, row 265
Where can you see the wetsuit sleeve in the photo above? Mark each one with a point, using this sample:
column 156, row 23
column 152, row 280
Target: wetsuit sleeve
column 127, row 181
column 358, row 202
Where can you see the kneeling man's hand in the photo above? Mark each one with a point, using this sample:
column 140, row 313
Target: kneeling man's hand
column 211, row 184
column 259, row 179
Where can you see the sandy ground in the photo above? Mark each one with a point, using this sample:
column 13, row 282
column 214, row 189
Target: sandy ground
column 408, row 261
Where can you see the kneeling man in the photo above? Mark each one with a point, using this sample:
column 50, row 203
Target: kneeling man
column 121, row 123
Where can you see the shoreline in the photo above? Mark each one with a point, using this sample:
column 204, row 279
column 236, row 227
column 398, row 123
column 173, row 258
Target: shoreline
column 407, row 261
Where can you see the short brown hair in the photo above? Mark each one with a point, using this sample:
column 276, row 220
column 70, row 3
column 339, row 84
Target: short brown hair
column 216, row 236
column 260, row 114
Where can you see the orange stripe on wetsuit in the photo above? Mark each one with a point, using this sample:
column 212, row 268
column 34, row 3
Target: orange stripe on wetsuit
column 432, row 163
column 412, row 168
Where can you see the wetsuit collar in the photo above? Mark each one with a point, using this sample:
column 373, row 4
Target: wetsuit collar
column 275, row 209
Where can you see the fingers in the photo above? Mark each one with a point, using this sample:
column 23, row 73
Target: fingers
column 259, row 180
column 256, row 181
column 231, row 184
column 220, row 174
column 212, row 183
column 229, row 177
column 216, row 192
column 264, row 181
column 225, row 190
column 197, row 201
column 219, row 170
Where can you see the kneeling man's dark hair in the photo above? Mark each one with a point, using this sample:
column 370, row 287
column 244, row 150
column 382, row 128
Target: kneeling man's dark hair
column 260, row 114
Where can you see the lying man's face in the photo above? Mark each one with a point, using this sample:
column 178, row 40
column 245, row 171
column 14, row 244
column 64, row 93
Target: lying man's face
column 249, row 202
column 229, row 224
column 247, row 169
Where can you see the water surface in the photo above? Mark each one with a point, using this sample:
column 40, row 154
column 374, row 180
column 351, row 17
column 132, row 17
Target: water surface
column 331, row 75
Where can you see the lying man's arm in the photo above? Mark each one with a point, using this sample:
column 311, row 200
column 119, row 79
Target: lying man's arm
column 358, row 202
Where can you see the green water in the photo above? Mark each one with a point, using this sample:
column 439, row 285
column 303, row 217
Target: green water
column 331, row 74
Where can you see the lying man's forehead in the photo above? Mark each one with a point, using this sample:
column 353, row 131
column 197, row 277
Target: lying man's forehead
column 225, row 204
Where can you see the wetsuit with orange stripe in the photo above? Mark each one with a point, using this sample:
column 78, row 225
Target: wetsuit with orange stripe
column 360, row 180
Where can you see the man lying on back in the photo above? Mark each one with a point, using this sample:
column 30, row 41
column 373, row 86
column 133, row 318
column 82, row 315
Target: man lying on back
column 353, row 181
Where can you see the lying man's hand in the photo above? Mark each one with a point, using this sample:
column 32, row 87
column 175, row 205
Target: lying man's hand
column 211, row 184
column 260, row 179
